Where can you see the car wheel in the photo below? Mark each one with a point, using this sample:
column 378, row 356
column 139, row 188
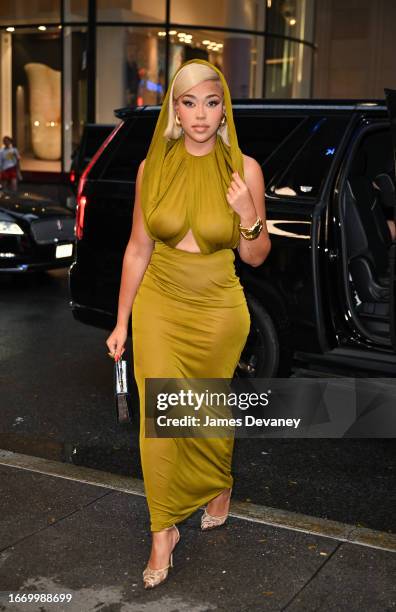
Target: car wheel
column 263, row 355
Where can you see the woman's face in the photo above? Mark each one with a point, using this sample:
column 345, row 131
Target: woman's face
column 200, row 110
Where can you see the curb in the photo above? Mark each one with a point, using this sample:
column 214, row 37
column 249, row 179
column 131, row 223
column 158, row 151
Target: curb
column 246, row 511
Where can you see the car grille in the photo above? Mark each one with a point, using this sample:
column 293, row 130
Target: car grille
column 46, row 230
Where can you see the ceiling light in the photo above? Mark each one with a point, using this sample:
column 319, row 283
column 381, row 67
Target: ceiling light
column 42, row 27
column 10, row 29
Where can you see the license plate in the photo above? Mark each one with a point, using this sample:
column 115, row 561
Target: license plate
column 64, row 250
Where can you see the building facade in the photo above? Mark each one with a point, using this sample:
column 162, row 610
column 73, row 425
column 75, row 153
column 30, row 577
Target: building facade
column 67, row 62
column 356, row 54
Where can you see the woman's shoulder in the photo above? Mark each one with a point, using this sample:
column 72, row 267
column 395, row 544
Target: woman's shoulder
column 139, row 173
column 141, row 167
column 249, row 162
column 251, row 167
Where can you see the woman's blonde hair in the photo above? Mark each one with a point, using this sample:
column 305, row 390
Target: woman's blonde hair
column 187, row 77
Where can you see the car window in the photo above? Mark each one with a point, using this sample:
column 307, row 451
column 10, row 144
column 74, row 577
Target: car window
column 272, row 140
column 124, row 153
column 259, row 136
column 306, row 167
column 94, row 137
column 374, row 155
column 373, row 159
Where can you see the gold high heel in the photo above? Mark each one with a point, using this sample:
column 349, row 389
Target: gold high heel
column 210, row 522
column 154, row 577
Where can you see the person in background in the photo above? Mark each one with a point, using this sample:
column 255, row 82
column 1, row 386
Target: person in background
column 132, row 81
column 9, row 164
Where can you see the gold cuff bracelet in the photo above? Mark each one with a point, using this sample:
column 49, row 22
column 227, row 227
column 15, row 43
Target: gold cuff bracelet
column 251, row 233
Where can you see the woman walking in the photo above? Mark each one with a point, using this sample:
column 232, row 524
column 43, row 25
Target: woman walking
column 197, row 197
column 9, row 164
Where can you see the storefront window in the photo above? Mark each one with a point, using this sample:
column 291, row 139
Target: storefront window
column 288, row 69
column 240, row 14
column 75, row 10
column 40, row 48
column 130, row 67
column 75, row 89
column 31, row 72
column 288, row 62
column 291, row 18
column 126, row 10
column 23, row 12
column 234, row 54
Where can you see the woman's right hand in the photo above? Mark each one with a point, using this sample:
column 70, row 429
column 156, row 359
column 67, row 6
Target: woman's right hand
column 116, row 341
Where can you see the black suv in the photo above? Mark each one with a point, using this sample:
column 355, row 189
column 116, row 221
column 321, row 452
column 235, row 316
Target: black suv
column 92, row 137
column 323, row 301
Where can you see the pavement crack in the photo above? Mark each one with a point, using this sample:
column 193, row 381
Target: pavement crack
column 58, row 520
column 316, row 572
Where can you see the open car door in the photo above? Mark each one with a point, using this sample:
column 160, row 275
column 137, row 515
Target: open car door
column 390, row 97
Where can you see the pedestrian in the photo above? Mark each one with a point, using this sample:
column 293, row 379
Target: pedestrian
column 197, row 197
column 9, row 164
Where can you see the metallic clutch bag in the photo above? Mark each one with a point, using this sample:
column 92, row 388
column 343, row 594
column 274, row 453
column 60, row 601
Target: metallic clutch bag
column 122, row 394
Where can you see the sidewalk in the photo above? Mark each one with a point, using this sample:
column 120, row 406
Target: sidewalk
column 61, row 534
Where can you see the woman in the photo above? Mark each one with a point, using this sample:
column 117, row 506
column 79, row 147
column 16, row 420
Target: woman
column 9, row 164
column 197, row 197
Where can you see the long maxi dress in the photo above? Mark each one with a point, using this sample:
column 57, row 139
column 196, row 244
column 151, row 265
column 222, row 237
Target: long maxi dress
column 189, row 320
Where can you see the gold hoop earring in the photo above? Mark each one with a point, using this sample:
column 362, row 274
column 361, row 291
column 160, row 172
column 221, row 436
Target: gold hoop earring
column 177, row 120
column 223, row 121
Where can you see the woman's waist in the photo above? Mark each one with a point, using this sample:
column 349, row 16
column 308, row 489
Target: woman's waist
column 208, row 276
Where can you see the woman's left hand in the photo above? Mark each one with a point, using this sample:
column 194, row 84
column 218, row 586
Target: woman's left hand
column 239, row 197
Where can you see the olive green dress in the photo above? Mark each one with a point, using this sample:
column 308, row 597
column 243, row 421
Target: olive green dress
column 189, row 320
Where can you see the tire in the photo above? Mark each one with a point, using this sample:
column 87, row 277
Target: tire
column 263, row 355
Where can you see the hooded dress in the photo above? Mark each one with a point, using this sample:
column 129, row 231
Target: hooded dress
column 189, row 316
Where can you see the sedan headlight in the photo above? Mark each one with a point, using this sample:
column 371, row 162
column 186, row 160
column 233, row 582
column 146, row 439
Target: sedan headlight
column 9, row 227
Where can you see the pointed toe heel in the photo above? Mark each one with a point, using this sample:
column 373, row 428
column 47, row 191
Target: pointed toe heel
column 211, row 522
column 154, row 577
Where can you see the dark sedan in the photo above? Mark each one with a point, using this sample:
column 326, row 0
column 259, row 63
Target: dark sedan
column 36, row 233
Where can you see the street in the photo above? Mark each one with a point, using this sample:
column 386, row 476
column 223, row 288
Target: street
column 57, row 403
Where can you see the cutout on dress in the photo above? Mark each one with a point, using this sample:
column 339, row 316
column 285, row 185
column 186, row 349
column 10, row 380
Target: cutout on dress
column 189, row 234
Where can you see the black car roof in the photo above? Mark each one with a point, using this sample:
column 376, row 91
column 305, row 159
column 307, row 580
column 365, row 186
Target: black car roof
column 296, row 104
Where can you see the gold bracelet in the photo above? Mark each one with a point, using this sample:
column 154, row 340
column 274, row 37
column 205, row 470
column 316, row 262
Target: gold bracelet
column 249, row 229
column 251, row 233
column 252, row 236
